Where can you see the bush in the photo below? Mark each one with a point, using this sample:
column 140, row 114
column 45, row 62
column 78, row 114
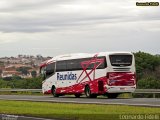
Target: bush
column 30, row 83
column 148, row 83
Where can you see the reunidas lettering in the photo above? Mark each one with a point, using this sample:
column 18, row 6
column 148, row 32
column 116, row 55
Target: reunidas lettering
column 68, row 76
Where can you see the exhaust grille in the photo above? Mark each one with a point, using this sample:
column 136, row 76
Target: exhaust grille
column 121, row 69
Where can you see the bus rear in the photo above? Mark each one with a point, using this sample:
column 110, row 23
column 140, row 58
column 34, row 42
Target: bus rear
column 121, row 76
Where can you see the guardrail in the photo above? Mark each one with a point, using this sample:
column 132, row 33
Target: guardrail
column 137, row 91
column 21, row 90
column 147, row 91
column 144, row 91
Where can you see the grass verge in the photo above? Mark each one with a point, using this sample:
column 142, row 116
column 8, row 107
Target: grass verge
column 72, row 111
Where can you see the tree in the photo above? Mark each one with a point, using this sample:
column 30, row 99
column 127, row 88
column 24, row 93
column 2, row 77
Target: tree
column 148, row 70
column 34, row 73
column 23, row 70
column 146, row 63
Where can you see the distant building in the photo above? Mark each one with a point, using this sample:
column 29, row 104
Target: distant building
column 10, row 74
column 9, row 65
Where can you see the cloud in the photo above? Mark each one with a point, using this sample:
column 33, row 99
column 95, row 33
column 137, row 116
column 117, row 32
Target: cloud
column 54, row 27
column 51, row 15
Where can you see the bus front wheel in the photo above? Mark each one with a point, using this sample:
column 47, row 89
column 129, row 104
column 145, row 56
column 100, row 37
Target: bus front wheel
column 54, row 92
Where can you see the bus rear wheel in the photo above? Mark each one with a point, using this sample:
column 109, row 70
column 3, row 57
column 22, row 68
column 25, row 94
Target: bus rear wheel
column 54, row 92
column 88, row 93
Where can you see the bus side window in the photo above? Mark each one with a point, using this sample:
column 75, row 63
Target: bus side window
column 73, row 65
column 104, row 64
column 43, row 72
column 61, row 66
column 91, row 66
column 50, row 70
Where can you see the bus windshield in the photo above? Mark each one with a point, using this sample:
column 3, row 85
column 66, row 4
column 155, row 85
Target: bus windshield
column 120, row 60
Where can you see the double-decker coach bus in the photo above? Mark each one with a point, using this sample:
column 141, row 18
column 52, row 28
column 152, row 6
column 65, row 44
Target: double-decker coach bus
column 105, row 73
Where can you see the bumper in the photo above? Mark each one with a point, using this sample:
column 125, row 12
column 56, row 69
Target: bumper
column 120, row 89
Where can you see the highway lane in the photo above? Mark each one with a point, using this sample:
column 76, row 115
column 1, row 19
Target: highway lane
column 151, row 102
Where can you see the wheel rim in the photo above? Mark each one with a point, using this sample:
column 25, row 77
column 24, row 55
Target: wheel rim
column 87, row 92
column 53, row 91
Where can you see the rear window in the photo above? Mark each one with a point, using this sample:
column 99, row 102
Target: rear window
column 120, row 60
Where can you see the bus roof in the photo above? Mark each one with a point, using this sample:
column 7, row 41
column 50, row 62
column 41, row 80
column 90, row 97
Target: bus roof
column 43, row 63
column 84, row 55
column 80, row 55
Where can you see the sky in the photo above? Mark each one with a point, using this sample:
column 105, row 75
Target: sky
column 54, row 27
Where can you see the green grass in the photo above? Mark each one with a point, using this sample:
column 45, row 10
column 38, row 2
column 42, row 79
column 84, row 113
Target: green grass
column 72, row 111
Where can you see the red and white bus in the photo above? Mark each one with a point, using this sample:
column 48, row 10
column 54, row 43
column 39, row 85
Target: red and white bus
column 105, row 73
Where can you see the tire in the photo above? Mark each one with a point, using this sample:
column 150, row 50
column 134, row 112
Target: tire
column 88, row 93
column 77, row 95
column 112, row 95
column 54, row 92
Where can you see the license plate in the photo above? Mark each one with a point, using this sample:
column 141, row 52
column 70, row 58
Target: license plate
column 122, row 88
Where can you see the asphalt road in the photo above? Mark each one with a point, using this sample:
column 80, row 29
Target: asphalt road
column 151, row 102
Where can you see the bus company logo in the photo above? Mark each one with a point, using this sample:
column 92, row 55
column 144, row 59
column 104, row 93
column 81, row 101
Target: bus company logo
column 68, row 76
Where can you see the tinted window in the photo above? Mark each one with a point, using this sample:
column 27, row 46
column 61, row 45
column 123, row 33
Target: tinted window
column 104, row 64
column 43, row 72
column 50, row 69
column 75, row 64
column 61, row 66
column 101, row 66
column 121, row 60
